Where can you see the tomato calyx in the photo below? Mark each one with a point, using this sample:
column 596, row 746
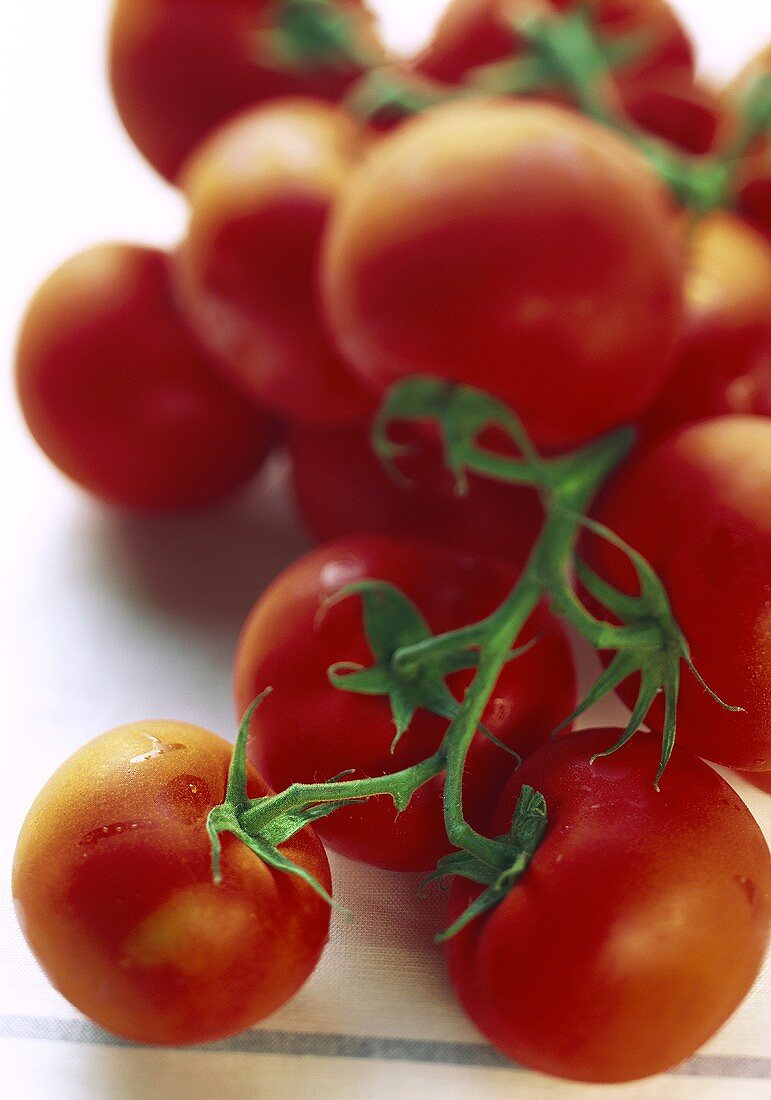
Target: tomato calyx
column 525, row 834
column 231, row 816
column 309, row 35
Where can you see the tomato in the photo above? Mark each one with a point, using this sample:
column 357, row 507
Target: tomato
column 180, row 67
column 754, row 197
column 113, row 885
column 309, row 731
column 697, row 505
column 478, row 32
column 259, row 192
column 639, row 925
column 120, row 396
column 512, row 246
column 342, row 488
column 656, row 88
column 724, row 361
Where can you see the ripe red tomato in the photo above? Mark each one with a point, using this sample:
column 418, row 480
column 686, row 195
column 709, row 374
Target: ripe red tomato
column 656, row 88
column 512, row 246
column 724, row 361
column 342, row 488
column 259, row 191
column 120, row 396
column 697, row 505
column 113, row 885
column 177, row 69
column 309, row 731
column 478, row 32
column 754, row 198
column 639, row 925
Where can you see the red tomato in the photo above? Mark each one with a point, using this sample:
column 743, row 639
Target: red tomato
column 516, row 247
column 639, row 925
column 724, row 361
column 656, row 89
column 342, row 488
column 113, row 885
column 118, row 393
column 478, row 32
column 697, row 505
column 259, row 191
column 754, row 198
column 309, row 731
column 178, row 69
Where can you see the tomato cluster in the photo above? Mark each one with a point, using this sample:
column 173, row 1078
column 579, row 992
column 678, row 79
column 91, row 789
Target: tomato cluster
column 489, row 259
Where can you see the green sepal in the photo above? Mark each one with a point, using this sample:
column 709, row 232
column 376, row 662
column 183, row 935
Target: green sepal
column 525, row 834
column 461, row 413
column 226, row 817
column 392, row 622
column 312, row 35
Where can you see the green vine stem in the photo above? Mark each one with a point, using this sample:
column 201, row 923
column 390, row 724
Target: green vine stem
column 564, row 52
column 410, row 665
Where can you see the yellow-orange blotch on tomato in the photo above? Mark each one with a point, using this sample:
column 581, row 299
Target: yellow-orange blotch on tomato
column 112, row 882
column 516, row 247
column 260, row 190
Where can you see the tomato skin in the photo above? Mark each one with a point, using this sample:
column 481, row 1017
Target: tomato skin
column 113, row 885
column 478, row 32
column 178, row 69
column 723, row 364
column 459, row 249
column 259, row 191
column 657, row 90
column 697, row 505
column 121, row 397
column 639, row 925
column 309, row 731
column 754, row 197
column 342, row 488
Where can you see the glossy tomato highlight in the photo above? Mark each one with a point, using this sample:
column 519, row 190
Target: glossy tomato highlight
column 112, row 882
column 516, row 247
column 309, row 731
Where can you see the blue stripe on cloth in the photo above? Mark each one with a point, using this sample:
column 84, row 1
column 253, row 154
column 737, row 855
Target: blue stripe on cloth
column 380, row 1047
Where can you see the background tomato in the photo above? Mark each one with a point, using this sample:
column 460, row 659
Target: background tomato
column 119, row 394
column 113, row 886
column 655, row 85
column 342, row 488
column 178, row 69
column 259, row 192
column 639, row 925
column 723, row 364
column 309, row 731
column 697, row 505
column 516, row 247
column 754, row 199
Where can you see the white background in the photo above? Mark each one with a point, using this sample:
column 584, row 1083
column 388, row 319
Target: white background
column 108, row 619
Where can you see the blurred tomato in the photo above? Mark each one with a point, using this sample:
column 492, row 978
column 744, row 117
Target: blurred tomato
column 342, row 488
column 119, row 394
column 724, row 361
column 180, row 67
column 260, row 190
column 516, row 247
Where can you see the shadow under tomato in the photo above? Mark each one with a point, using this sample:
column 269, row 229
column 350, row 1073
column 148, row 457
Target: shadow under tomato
column 203, row 570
